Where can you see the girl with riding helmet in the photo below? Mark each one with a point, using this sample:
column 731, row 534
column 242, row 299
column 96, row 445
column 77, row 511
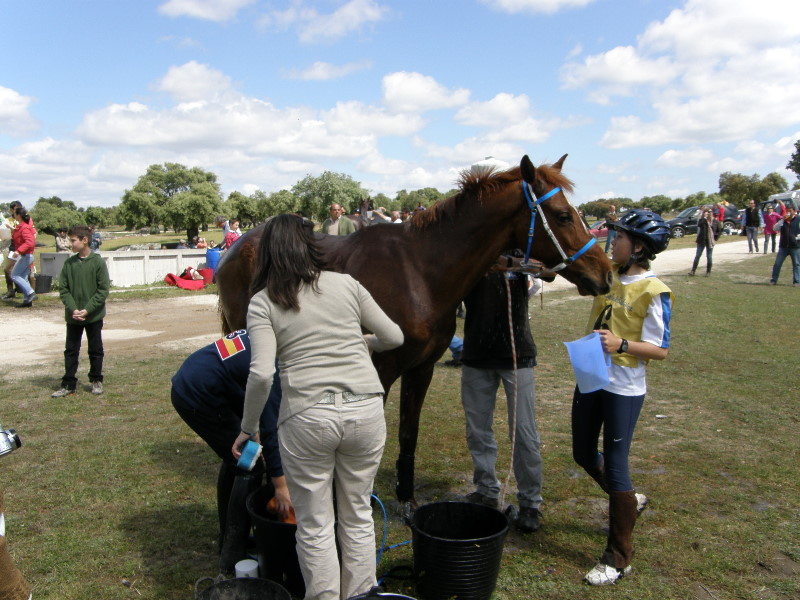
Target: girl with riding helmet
column 633, row 321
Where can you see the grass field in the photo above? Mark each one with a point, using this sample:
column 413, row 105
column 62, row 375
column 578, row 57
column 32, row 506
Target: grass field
column 116, row 487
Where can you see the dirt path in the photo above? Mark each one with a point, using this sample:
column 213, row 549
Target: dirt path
column 34, row 338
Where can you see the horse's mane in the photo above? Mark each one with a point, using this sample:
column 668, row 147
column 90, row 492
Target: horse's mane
column 484, row 181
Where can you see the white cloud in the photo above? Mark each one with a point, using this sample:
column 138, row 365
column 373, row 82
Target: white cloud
column 194, row 81
column 534, row 6
column 714, row 71
column 618, row 71
column 315, row 27
column 358, row 118
column 414, row 92
column 691, row 157
column 210, row 10
column 501, row 109
column 15, row 120
column 324, row 71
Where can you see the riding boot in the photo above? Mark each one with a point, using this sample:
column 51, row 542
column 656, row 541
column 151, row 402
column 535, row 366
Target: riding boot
column 237, row 522
column 622, row 515
column 225, row 479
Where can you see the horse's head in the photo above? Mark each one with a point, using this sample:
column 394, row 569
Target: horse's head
column 560, row 238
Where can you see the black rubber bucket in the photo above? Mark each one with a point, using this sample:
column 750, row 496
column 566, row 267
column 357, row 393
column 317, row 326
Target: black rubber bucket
column 457, row 550
column 241, row 589
column 44, row 283
column 275, row 541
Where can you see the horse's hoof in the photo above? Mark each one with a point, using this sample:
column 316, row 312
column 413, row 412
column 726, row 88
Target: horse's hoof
column 407, row 510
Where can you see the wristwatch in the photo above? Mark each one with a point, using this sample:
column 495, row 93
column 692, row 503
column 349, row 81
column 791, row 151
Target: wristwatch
column 623, row 347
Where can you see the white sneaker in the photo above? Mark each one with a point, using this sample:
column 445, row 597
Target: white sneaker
column 605, row 574
column 641, row 503
column 97, row 387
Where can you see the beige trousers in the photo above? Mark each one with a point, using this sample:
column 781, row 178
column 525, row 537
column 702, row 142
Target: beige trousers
column 342, row 445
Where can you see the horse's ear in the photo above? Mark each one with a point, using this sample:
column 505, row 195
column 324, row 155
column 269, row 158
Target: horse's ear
column 527, row 169
column 560, row 162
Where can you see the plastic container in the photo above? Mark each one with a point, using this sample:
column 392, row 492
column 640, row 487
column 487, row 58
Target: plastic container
column 241, row 589
column 589, row 362
column 212, row 258
column 277, row 556
column 208, row 275
column 44, row 283
column 457, row 550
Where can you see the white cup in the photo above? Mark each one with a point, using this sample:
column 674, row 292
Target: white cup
column 247, row 568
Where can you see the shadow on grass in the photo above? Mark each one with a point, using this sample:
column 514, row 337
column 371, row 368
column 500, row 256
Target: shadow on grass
column 187, row 458
column 176, row 544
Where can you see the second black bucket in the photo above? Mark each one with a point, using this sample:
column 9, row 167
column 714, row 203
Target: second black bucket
column 277, row 556
column 457, row 550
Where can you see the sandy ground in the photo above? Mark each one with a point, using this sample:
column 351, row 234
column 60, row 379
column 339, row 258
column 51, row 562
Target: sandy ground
column 33, row 339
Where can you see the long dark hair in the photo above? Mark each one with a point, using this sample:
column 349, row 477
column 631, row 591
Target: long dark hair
column 23, row 214
column 288, row 256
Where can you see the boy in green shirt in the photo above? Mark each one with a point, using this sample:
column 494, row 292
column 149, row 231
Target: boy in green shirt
column 83, row 287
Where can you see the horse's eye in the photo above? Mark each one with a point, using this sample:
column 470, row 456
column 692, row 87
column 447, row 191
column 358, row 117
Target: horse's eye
column 564, row 217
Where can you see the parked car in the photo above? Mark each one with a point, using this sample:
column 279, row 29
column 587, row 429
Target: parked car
column 788, row 198
column 686, row 221
column 599, row 230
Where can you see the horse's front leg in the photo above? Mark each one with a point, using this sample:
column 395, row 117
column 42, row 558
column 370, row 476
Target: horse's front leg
column 413, row 387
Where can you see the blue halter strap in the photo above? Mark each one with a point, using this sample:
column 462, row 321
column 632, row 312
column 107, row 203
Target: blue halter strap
column 535, row 205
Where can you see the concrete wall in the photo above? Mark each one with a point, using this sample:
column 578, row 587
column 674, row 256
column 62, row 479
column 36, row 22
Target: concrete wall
column 136, row 267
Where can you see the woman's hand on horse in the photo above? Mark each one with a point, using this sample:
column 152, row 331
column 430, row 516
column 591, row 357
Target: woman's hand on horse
column 241, row 439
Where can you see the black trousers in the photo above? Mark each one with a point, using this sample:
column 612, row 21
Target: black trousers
column 73, row 349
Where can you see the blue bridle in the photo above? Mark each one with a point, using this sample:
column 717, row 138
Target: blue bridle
column 534, row 204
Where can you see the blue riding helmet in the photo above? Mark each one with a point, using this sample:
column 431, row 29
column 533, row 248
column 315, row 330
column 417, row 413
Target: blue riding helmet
column 647, row 226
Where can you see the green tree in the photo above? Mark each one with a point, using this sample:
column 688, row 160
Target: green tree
column 97, row 215
column 245, row 208
column 192, row 189
column 277, row 203
column 658, row 204
column 794, row 162
column 49, row 214
column 316, row 194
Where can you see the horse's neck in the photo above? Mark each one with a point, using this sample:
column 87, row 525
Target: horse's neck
column 464, row 249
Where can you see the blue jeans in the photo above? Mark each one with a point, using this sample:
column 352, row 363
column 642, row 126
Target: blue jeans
column 752, row 237
column 612, row 233
column 456, row 347
column 478, row 397
column 794, row 254
column 709, row 253
column 617, row 415
column 20, row 274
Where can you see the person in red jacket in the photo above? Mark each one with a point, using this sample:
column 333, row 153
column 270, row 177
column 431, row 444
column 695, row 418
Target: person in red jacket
column 24, row 238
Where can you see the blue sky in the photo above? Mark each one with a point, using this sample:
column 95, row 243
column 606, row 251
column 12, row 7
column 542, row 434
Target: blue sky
column 647, row 96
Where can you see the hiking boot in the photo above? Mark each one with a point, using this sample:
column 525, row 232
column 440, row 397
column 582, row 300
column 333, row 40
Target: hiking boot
column 62, row 393
column 529, row 519
column 97, row 387
column 641, row 503
column 478, row 498
column 602, row 574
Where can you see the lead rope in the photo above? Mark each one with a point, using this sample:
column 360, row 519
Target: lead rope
column 516, row 394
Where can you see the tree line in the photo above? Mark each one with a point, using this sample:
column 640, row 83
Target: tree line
column 173, row 196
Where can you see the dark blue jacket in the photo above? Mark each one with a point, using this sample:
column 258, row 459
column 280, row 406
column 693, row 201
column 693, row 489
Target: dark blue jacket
column 207, row 382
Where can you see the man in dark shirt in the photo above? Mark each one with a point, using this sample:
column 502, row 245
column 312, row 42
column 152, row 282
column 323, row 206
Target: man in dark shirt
column 487, row 360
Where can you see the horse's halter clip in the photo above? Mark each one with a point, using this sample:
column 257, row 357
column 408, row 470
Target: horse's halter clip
column 535, row 204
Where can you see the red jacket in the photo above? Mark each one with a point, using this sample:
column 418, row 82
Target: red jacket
column 24, row 238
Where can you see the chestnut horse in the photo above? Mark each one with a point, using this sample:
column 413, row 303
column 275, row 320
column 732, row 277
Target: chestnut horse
column 420, row 271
